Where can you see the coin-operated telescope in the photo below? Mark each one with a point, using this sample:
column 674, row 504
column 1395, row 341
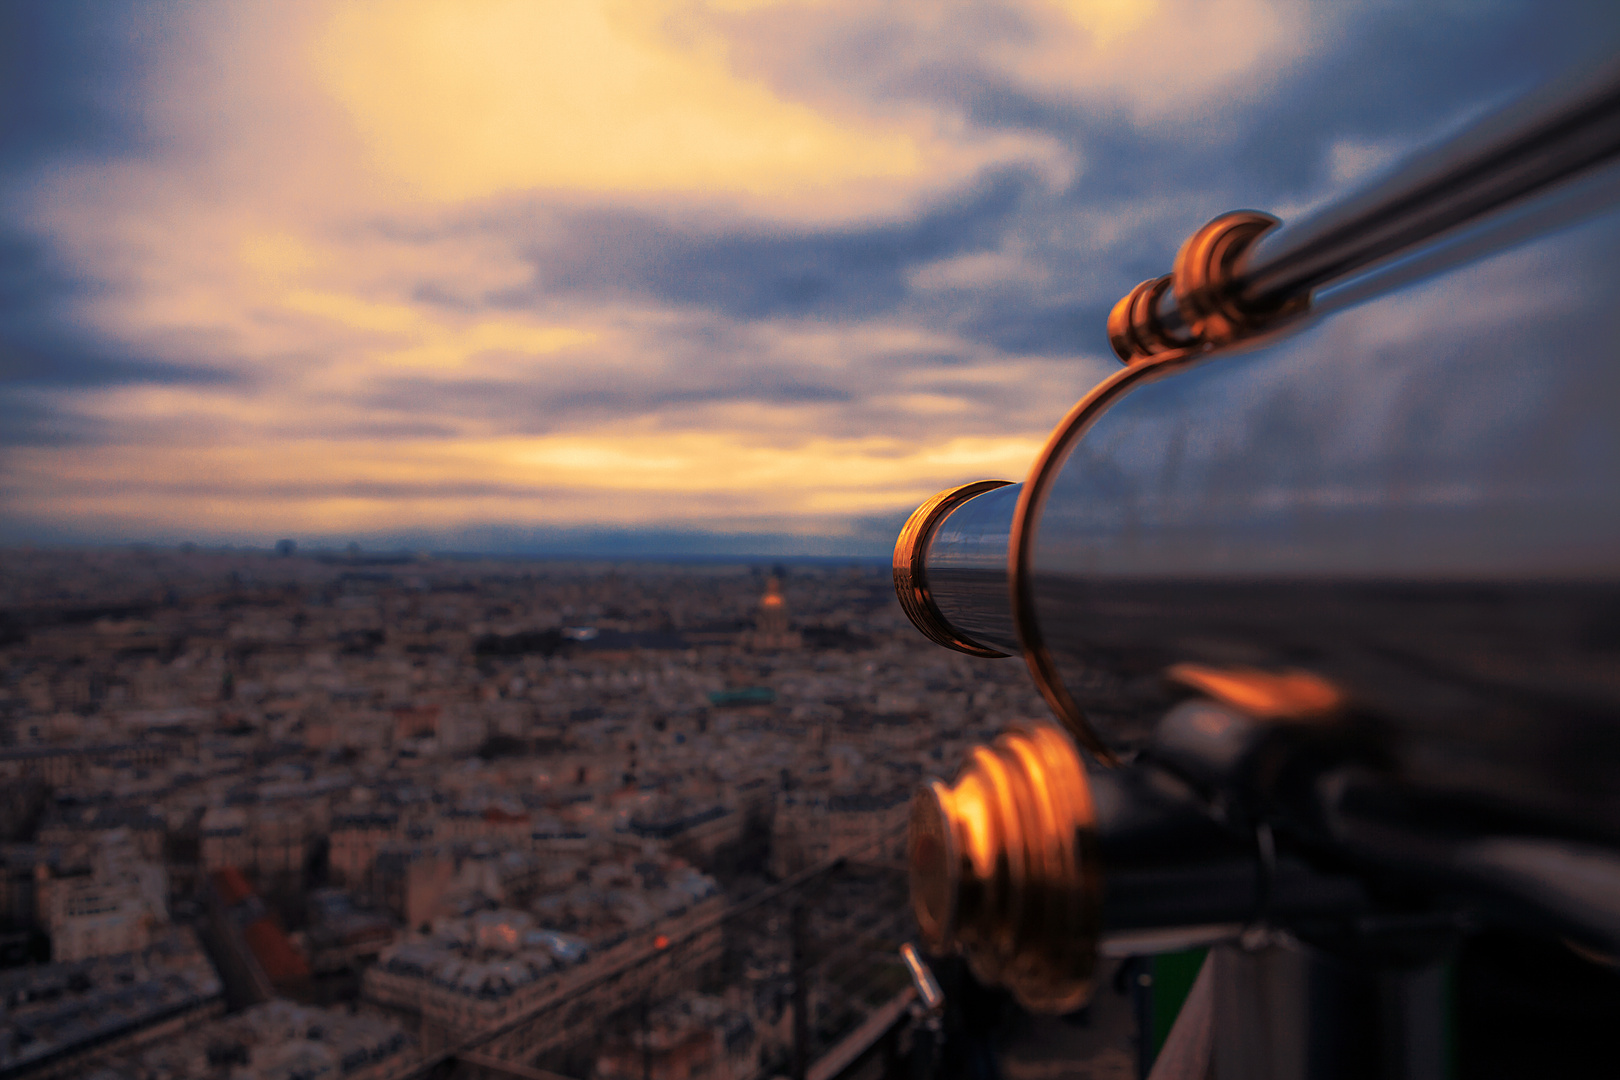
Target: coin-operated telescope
column 1325, row 584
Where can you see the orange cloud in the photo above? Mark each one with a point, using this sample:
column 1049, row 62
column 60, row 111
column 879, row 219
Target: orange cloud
column 468, row 99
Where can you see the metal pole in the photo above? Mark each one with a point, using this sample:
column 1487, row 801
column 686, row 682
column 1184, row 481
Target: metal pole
column 1550, row 137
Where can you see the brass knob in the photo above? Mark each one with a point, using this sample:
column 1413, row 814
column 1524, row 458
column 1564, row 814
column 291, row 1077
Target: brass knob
column 1004, row 867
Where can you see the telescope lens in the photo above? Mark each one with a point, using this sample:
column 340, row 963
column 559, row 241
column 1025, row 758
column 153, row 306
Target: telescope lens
column 950, row 568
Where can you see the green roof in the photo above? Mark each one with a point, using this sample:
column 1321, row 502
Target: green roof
column 747, row 695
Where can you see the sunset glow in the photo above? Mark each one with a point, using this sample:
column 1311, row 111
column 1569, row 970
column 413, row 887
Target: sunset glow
column 468, row 100
column 365, row 270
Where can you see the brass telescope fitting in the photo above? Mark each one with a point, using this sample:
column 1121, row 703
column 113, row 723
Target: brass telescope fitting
column 1004, row 867
column 1196, row 305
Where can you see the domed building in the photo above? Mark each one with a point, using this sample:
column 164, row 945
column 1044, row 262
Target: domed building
column 771, row 632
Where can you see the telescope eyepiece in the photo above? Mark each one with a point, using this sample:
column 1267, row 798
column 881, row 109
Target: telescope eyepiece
column 917, row 563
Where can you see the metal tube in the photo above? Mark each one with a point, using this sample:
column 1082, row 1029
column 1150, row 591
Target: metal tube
column 1413, row 501
column 1521, row 151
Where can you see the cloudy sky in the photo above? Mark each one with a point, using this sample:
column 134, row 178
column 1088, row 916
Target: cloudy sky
column 630, row 275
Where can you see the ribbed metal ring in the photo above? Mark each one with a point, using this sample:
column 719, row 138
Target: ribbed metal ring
column 1133, row 325
column 1005, row 869
column 1208, row 263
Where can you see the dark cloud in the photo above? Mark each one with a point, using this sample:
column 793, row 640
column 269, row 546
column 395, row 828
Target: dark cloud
column 68, row 69
column 752, row 272
column 764, row 271
column 1405, row 72
column 1049, row 330
column 28, row 422
column 44, row 346
column 69, row 77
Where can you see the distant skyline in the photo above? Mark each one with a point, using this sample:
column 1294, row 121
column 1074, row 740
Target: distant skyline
column 704, row 277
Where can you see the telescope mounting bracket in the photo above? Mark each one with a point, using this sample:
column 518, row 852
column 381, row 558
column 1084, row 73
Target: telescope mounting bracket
column 1197, row 305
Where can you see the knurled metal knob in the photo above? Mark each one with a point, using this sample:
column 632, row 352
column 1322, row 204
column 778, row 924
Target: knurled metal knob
column 1004, row 867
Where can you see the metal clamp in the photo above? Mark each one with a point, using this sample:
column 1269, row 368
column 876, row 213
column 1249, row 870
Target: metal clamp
column 1134, row 329
column 1197, row 305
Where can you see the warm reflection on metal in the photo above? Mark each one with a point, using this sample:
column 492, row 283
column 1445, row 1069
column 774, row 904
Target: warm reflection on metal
column 1026, row 526
column 1134, row 328
column 1264, row 695
column 910, row 569
column 1196, row 305
column 1204, row 277
column 1004, row 867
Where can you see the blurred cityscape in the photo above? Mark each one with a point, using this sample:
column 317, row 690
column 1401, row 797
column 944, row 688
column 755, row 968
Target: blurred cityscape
column 337, row 814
